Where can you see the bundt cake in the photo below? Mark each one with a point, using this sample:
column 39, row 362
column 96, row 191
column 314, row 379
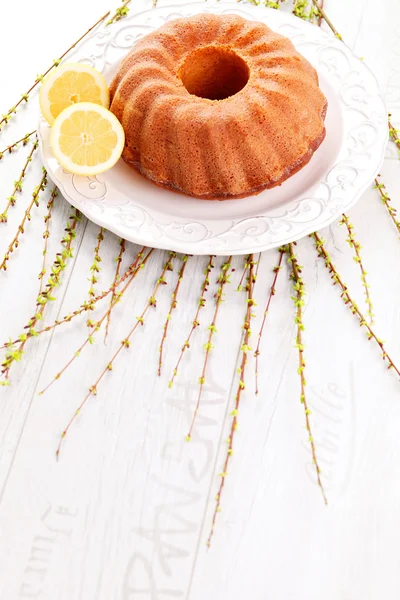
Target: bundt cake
column 217, row 107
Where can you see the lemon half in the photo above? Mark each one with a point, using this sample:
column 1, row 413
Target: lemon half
column 87, row 139
column 71, row 83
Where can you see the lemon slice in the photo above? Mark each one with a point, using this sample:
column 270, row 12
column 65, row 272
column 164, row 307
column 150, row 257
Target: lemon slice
column 87, row 139
column 71, row 83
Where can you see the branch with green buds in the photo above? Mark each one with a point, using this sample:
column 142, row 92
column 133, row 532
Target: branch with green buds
column 322, row 14
column 84, row 307
column 394, row 134
column 117, row 278
column 195, row 322
column 298, row 300
column 268, row 3
column 27, row 217
column 258, row 263
column 121, row 12
column 271, row 294
column 305, row 12
column 223, row 279
column 356, row 246
column 95, row 267
column 11, row 200
column 15, row 145
column 387, row 202
column 172, row 307
column 94, row 326
column 46, row 235
column 14, row 354
column 125, row 343
column 245, row 348
column 348, row 300
column 246, row 266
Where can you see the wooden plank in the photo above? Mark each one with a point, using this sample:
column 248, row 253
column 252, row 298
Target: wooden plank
column 126, row 511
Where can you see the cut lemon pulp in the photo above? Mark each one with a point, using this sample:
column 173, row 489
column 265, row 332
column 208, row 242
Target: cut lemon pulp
column 71, row 83
column 87, row 139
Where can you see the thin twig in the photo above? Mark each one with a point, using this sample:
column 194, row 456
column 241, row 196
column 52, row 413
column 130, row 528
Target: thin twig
column 195, row 322
column 46, row 236
column 393, row 134
column 83, row 308
column 320, row 7
column 95, row 268
column 258, row 264
column 121, row 12
column 357, row 258
column 14, row 145
column 387, row 202
column 173, row 305
column 298, row 299
column 241, row 387
column 328, row 21
column 115, row 282
column 27, row 217
column 95, row 326
column 11, row 200
column 25, row 97
column 59, row 265
column 223, row 279
column 271, row 294
column 347, row 299
column 246, row 265
column 124, row 344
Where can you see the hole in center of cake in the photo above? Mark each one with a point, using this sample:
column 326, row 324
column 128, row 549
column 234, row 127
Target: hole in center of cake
column 214, row 72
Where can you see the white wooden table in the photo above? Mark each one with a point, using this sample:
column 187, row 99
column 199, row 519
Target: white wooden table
column 125, row 513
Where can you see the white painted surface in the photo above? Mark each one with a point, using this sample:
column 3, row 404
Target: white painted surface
column 126, row 511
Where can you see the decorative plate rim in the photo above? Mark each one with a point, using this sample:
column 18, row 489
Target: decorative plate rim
column 348, row 177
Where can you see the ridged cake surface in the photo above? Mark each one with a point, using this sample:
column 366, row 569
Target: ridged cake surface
column 218, row 107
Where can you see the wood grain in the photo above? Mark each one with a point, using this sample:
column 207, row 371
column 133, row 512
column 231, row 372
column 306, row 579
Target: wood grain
column 125, row 513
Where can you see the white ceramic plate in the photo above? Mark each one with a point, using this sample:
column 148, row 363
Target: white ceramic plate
column 341, row 169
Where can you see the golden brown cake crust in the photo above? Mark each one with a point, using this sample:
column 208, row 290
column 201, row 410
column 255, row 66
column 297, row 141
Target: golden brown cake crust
column 260, row 121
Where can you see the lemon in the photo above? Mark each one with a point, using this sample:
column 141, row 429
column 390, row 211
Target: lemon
column 87, row 139
column 71, row 83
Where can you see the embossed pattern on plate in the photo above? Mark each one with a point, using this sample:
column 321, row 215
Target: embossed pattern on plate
column 342, row 168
